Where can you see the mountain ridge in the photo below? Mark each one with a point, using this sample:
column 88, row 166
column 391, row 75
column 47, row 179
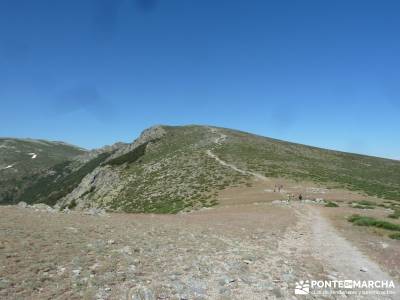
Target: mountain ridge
column 174, row 168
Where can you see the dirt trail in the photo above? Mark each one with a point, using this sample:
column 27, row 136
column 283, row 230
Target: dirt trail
column 233, row 167
column 340, row 254
column 314, row 236
column 218, row 141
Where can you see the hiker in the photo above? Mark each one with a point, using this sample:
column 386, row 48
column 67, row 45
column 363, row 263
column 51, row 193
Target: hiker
column 300, row 197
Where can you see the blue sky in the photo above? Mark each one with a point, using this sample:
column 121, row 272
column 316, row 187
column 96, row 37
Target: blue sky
column 93, row 72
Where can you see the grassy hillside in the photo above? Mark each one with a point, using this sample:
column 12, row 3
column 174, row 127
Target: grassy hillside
column 273, row 158
column 174, row 173
column 59, row 181
column 169, row 168
column 21, row 159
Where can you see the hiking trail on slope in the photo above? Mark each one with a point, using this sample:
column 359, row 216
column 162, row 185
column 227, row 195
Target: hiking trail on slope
column 218, row 141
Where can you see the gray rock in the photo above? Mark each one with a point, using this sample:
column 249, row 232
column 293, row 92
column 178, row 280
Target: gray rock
column 126, row 250
column 66, row 210
column 142, row 293
column 288, row 277
column 197, row 287
column 277, row 292
column 281, row 202
column 22, row 204
column 43, row 207
column 226, row 279
column 95, row 212
column 248, row 279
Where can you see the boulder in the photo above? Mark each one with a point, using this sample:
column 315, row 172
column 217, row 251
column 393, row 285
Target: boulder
column 22, row 204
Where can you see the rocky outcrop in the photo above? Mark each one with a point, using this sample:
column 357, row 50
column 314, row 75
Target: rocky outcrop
column 84, row 158
column 97, row 189
column 148, row 135
column 103, row 185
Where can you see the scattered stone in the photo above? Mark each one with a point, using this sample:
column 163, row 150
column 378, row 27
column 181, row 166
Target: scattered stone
column 93, row 268
column 288, row 277
column 95, row 212
column 22, row 204
column 362, row 269
column 141, row 293
column 60, row 270
column 281, row 202
column 225, row 279
column 277, row 292
column 249, row 279
column 197, row 287
column 384, row 245
column 43, row 207
column 126, row 250
column 72, row 228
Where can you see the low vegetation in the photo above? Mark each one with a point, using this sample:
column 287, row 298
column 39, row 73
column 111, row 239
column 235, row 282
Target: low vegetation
column 60, row 181
column 372, row 222
column 172, row 172
column 395, row 214
column 29, row 159
column 395, row 236
column 364, row 204
column 331, row 204
column 129, row 157
column 273, row 158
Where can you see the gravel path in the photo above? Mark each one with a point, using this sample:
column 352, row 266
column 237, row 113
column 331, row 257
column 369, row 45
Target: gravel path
column 314, row 236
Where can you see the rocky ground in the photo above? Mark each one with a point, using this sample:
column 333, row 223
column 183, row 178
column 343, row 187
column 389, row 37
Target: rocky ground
column 209, row 254
column 249, row 247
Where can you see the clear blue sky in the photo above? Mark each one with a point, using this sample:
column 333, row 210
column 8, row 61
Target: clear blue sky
column 93, row 72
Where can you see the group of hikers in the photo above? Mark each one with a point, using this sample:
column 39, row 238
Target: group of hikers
column 279, row 187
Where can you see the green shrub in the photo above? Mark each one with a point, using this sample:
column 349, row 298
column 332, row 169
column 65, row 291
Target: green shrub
column 363, row 206
column 369, row 221
column 331, row 204
column 72, row 204
column 395, row 236
column 366, row 202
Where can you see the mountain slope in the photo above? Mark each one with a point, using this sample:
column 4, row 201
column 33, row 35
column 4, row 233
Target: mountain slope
column 165, row 170
column 173, row 168
column 273, row 158
column 20, row 159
